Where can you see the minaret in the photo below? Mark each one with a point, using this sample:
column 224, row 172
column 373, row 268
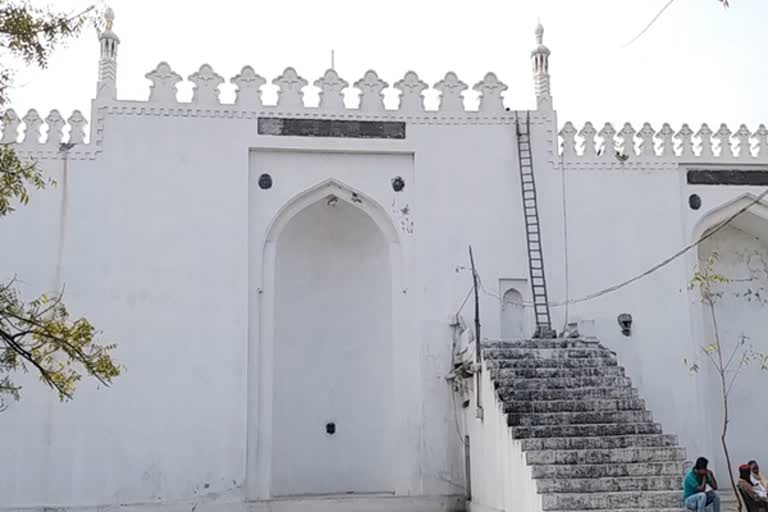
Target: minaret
column 540, row 59
column 108, row 40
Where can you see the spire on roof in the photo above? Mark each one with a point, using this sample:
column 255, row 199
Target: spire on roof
column 540, row 60
column 108, row 42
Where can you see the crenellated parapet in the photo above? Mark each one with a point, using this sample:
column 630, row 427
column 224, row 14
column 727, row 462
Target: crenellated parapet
column 365, row 95
column 32, row 135
column 627, row 146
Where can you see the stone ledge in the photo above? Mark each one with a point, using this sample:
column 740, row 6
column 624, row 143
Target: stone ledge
column 359, row 503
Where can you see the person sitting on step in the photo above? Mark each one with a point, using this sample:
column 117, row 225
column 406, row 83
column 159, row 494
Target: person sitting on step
column 758, row 480
column 700, row 488
column 748, row 490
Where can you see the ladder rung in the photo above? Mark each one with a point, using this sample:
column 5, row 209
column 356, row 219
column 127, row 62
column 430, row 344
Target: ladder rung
column 532, row 228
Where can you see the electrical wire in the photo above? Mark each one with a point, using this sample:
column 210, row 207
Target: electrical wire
column 653, row 269
column 649, row 25
column 469, row 293
column 666, row 261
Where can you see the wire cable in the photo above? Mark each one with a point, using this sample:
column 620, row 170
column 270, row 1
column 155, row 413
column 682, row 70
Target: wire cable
column 653, row 269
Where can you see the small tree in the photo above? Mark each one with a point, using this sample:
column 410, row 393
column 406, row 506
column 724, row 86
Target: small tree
column 727, row 362
column 40, row 335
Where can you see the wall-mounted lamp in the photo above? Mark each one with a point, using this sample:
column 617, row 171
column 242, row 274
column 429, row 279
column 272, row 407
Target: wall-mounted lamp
column 625, row 322
column 333, row 201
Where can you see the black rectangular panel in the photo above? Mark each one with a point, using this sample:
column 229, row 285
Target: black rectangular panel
column 331, row 128
column 727, row 177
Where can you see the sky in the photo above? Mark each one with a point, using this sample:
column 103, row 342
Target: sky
column 698, row 63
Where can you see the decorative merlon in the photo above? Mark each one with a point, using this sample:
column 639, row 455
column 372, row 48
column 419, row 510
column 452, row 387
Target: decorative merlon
column 290, row 85
column 411, row 89
column 742, row 146
column 55, row 124
column 206, row 90
column 11, row 122
column 490, row 89
column 331, row 90
column 370, row 90
column 33, row 125
column 248, row 93
column 451, row 91
column 164, row 80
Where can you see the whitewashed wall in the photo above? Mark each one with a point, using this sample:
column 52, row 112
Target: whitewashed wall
column 162, row 237
column 501, row 478
column 741, row 312
column 622, row 219
column 157, row 231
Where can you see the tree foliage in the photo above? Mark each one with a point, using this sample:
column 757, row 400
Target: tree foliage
column 40, row 335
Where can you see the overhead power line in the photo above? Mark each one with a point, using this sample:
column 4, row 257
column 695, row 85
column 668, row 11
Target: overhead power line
column 658, row 266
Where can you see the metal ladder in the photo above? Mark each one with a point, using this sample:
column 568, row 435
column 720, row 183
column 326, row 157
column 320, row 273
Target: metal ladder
column 533, row 230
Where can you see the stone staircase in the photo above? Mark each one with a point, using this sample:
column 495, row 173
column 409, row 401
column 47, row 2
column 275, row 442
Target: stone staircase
column 588, row 439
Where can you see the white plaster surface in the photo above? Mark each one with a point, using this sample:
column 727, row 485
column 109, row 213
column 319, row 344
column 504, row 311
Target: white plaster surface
column 501, row 479
column 333, row 355
column 160, row 234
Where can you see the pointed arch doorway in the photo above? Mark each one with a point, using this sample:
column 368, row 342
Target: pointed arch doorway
column 330, row 255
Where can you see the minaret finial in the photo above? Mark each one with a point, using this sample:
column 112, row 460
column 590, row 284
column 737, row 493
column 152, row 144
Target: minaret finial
column 108, row 41
column 109, row 18
column 539, row 32
column 540, row 59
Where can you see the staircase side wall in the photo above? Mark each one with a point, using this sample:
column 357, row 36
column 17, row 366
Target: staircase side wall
column 500, row 478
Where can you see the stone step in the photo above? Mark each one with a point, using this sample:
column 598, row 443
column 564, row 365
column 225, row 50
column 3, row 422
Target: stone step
column 547, row 353
column 563, row 383
column 577, row 418
column 634, row 404
column 556, row 373
column 587, row 430
column 595, row 362
column 678, row 509
column 606, row 455
column 543, row 344
column 514, row 394
column 619, row 484
column 587, row 443
column 612, row 500
column 613, row 470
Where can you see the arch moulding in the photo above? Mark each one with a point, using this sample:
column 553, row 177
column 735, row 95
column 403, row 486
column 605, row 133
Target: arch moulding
column 261, row 338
